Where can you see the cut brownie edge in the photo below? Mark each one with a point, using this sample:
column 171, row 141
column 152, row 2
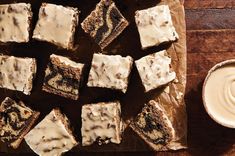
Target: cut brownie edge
column 63, row 77
column 16, row 143
column 58, row 92
column 154, row 127
column 66, row 123
column 104, row 23
column 114, row 34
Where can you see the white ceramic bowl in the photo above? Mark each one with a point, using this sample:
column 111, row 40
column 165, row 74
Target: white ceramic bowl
column 217, row 93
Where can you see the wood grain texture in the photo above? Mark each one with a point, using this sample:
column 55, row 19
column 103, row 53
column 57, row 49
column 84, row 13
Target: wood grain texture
column 199, row 4
column 211, row 41
column 200, row 63
column 210, row 19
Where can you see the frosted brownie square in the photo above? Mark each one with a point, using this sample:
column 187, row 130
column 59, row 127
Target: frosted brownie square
column 110, row 71
column 15, row 22
column 56, row 24
column 101, row 123
column 154, row 70
column 104, row 23
column 155, row 26
column 17, row 73
column 154, row 126
column 52, row 136
column 62, row 77
column 16, row 119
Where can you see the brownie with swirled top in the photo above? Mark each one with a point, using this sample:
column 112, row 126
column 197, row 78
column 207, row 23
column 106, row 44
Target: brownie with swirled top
column 16, row 120
column 104, row 23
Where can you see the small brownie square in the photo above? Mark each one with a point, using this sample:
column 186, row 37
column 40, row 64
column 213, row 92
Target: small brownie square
column 154, row 126
column 62, row 77
column 105, row 23
column 15, row 22
column 16, row 119
column 101, row 123
column 17, row 73
column 154, row 70
column 155, row 26
column 52, row 136
column 56, row 24
column 110, row 71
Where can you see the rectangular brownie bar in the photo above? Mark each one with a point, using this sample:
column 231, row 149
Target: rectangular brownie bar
column 154, row 126
column 155, row 26
column 17, row 73
column 154, row 70
column 104, row 23
column 110, row 71
column 62, row 77
column 56, row 24
column 101, row 122
column 15, row 22
column 16, row 119
column 52, row 136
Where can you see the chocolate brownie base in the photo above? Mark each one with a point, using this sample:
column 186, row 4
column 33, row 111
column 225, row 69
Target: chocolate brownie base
column 153, row 126
column 15, row 121
column 63, row 77
column 105, row 23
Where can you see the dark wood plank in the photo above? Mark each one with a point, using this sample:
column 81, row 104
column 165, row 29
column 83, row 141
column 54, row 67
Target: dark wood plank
column 211, row 41
column 210, row 19
column 199, row 4
column 198, row 65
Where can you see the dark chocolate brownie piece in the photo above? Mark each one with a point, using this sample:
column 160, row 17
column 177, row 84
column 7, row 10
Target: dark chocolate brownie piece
column 104, row 23
column 16, row 119
column 62, row 77
column 153, row 126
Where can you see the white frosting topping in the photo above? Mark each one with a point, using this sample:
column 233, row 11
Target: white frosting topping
column 101, row 120
column 56, row 24
column 110, row 71
column 219, row 95
column 154, row 70
column 50, row 137
column 17, row 73
column 68, row 62
column 14, row 22
column 155, row 26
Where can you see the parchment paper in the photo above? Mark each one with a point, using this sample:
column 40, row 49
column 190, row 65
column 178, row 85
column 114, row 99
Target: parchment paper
column 133, row 101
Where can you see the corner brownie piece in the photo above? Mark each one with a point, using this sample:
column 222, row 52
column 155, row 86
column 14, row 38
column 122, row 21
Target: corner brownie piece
column 16, row 119
column 154, row 70
column 105, row 23
column 52, row 136
column 155, row 26
column 56, row 24
column 110, row 71
column 62, row 77
column 101, row 122
column 15, row 22
column 17, row 73
column 154, row 126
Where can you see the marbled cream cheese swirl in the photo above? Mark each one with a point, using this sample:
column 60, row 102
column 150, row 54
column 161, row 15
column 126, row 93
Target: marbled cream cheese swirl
column 219, row 95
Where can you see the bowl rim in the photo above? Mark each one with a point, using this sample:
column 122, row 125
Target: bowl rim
column 215, row 67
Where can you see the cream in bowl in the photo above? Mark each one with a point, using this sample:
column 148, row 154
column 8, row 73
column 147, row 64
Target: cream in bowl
column 219, row 93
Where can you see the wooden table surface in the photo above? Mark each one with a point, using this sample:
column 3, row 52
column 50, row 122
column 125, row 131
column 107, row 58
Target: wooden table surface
column 210, row 39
